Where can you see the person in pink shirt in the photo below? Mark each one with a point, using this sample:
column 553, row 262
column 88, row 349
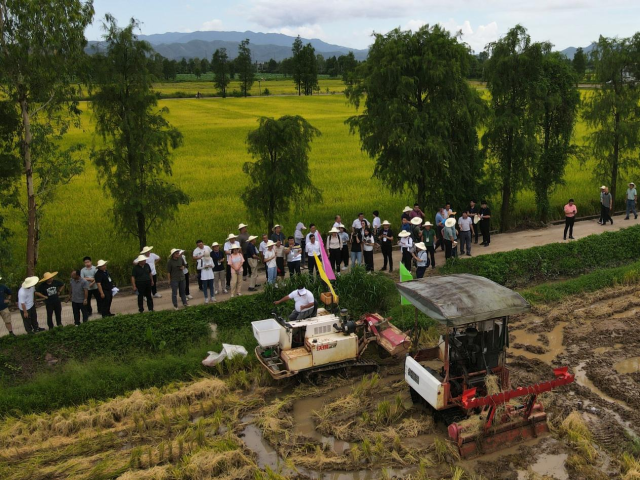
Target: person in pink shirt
column 570, row 211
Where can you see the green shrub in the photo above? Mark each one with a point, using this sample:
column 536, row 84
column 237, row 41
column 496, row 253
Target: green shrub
column 519, row 268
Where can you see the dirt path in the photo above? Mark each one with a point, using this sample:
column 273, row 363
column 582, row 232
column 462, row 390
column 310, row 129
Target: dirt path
column 127, row 302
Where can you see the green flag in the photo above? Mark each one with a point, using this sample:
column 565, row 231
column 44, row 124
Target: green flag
column 405, row 275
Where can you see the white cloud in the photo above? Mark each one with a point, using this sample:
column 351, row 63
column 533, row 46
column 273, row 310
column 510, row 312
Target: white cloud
column 305, row 31
column 211, row 25
column 477, row 39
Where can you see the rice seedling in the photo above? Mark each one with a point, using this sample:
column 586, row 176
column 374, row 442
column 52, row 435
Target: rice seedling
column 445, row 451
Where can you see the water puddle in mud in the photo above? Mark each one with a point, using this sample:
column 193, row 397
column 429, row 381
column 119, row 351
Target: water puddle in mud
column 582, row 379
column 555, row 347
column 630, row 365
column 627, row 314
column 547, row 465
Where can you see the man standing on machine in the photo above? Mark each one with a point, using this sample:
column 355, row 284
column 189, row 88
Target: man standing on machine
column 305, row 304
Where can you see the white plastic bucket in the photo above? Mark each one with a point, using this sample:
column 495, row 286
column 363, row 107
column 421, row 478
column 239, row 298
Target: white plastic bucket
column 267, row 332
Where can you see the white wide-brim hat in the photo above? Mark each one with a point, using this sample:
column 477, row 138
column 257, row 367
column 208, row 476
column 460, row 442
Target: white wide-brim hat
column 427, row 224
column 416, row 221
column 407, row 209
column 235, row 245
column 101, row 263
column 404, row 234
column 215, row 244
column 450, row 222
column 141, row 258
column 30, row 282
column 602, row 187
column 386, row 222
column 231, row 236
column 145, row 250
column 277, row 225
column 251, row 238
column 421, row 246
column 341, row 226
column 270, row 243
column 242, row 225
column 334, row 230
column 173, row 250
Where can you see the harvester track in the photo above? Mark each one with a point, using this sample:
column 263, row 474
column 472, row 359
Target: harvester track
column 367, row 365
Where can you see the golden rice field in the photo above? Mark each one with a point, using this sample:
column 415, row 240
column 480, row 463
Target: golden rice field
column 209, row 168
column 280, row 86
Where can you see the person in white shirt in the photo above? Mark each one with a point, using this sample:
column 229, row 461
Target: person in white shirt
column 360, row 222
column 206, row 276
column 406, row 247
column 313, row 230
column 152, row 259
column 376, row 223
column 368, row 242
column 465, row 224
column 305, row 304
column 231, row 239
column 27, row 305
column 197, row 255
column 300, row 239
column 269, row 259
column 262, row 248
column 313, row 246
column 334, row 246
column 337, row 222
column 293, row 251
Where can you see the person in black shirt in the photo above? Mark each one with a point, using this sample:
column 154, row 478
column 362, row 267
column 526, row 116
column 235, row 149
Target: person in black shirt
column 50, row 289
column 105, row 287
column 385, row 238
column 142, row 280
column 485, row 223
column 473, row 210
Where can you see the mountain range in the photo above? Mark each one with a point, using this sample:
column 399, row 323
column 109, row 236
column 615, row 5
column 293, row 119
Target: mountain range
column 569, row 52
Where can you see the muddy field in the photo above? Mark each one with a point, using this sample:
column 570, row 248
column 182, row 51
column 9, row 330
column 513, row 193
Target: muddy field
column 359, row 427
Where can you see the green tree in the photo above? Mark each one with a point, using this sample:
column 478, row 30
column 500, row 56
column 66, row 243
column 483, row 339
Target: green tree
column 611, row 111
column 41, row 49
column 9, row 173
column 205, row 66
column 279, row 177
column 169, row 69
column 579, row 63
column 309, row 66
column 244, row 67
column 510, row 141
column 135, row 157
column 420, row 116
column 348, row 65
column 557, row 101
column 297, row 63
column 220, row 67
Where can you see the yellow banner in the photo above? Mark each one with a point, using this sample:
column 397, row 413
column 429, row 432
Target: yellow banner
column 323, row 274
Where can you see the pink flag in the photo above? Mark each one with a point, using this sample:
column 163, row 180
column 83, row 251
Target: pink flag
column 326, row 264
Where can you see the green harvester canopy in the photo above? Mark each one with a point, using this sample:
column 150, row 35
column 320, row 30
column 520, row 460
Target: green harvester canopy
column 455, row 300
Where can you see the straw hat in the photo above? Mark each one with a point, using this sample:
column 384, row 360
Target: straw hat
column 427, row 224
column 251, row 238
column 145, row 250
column 404, row 234
column 421, row 246
column 101, row 263
column 241, row 226
column 141, row 258
column 386, row 222
column 235, row 246
column 631, row 183
column 450, row 222
column 47, row 276
column 407, row 209
column 341, row 226
column 334, row 230
column 231, row 236
column 30, row 282
column 416, row 221
column 602, row 187
column 215, row 244
column 181, row 251
column 270, row 243
column 276, row 226
column 174, row 250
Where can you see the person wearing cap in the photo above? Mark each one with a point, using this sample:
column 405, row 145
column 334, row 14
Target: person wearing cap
column 79, row 297
column 385, row 238
column 376, row 223
column 449, row 236
column 175, row 270
column 606, row 201
column 632, row 198
column 421, row 258
column 406, row 213
column 368, row 242
column 465, row 224
column 218, row 257
column 473, row 211
column 269, row 259
column 440, row 218
column 5, row 298
column 206, row 276
column 152, row 260
column 570, row 211
column 293, row 252
column 243, row 237
column 344, row 236
column 105, row 289
column 49, row 289
column 416, row 213
column 236, row 260
column 299, row 238
column 334, row 245
column 142, row 282
column 231, row 239
column 252, row 255
column 485, row 223
column 313, row 247
column 406, row 248
column 305, row 304
column 88, row 272
column 27, row 305
column 429, row 240
column 198, row 255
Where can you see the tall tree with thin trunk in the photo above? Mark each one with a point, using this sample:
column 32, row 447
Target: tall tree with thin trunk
column 244, row 67
column 297, row 63
column 309, row 69
column 41, row 47
column 220, row 67
column 510, row 141
column 612, row 111
column 134, row 160
column 279, row 177
column 579, row 63
column 420, row 116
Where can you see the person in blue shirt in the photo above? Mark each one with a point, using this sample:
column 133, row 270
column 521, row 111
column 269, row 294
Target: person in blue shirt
column 406, row 225
column 440, row 218
column 5, row 297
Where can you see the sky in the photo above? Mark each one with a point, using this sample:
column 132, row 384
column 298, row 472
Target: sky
column 350, row 23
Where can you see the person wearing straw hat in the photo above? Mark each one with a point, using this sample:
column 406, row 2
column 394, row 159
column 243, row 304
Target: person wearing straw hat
column 198, row 254
column 236, row 260
column 334, row 245
column 406, row 248
column 269, row 259
column 344, row 236
column 49, row 289
column 142, row 282
column 385, row 238
column 231, row 239
column 632, row 199
column 293, row 251
column 600, row 220
column 79, row 297
column 152, row 260
column 175, row 270
column 406, row 213
column 416, row 231
column 449, row 236
column 206, row 277
column 105, row 289
column 218, row 257
column 253, row 256
column 243, row 237
column 88, row 272
column 422, row 259
column 429, row 239
column 27, row 305
column 465, row 224
column 5, row 298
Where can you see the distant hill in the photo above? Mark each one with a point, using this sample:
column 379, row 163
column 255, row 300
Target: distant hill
column 569, row 52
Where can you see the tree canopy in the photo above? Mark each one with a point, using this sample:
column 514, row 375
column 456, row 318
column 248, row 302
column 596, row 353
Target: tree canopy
column 220, row 65
column 244, row 67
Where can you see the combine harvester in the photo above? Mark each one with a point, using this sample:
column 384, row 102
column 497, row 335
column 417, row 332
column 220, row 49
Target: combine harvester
column 464, row 380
